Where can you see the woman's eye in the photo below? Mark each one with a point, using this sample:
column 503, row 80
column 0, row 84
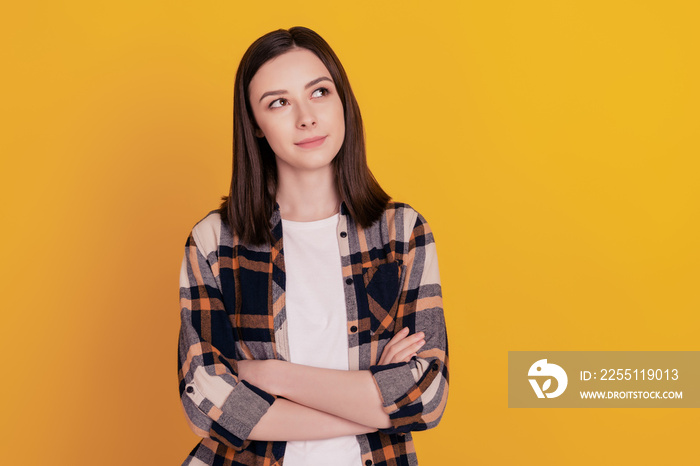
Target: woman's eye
column 278, row 103
column 320, row 92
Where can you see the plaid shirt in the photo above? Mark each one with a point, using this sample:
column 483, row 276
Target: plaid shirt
column 232, row 300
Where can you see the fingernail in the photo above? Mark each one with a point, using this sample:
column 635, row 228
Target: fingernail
column 404, row 330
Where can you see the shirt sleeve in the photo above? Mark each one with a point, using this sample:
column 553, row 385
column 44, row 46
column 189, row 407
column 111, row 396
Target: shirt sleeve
column 414, row 394
column 216, row 403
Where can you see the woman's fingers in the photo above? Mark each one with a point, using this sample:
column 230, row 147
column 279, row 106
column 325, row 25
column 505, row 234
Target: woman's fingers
column 401, row 345
column 388, row 349
column 409, row 352
column 403, row 333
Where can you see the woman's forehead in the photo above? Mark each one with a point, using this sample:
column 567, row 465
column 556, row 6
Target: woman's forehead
column 290, row 71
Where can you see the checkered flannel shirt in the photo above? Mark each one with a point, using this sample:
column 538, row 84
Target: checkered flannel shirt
column 232, row 300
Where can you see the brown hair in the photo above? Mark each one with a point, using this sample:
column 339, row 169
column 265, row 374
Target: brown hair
column 251, row 200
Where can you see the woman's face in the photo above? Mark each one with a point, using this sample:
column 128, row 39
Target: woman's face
column 297, row 109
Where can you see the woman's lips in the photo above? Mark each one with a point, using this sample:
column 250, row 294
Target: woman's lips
column 310, row 143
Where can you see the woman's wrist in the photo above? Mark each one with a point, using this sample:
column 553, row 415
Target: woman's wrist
column 265, row 374
column 276, row 373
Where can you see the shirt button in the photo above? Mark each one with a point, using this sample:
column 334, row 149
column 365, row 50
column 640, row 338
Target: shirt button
column 368, row 462
column 343, row 234
column 190, row 389
column 348, row 281
column 353, row 329
column 435, row 367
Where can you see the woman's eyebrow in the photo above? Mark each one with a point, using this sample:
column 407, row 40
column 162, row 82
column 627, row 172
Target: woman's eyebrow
column 308, row 85
column 317, row 80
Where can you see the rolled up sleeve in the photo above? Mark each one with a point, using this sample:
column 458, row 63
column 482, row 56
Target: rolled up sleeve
column 414, row 394
column 216, row 403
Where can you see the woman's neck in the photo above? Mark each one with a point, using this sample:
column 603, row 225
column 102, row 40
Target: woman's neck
column 306, row 196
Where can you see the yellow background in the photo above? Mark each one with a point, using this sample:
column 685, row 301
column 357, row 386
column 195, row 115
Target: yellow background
column 552, row 146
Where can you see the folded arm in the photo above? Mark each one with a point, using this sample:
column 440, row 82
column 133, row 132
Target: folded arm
column 234, row 401
column 351, row 395
column 407, row 389
column 287, row 420
column 216, row 402
column 414, row 394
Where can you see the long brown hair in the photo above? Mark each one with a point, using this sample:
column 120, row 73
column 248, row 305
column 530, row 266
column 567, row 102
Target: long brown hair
column 251, row 200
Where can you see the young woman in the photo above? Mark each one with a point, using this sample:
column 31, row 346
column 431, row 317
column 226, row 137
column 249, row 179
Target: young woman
column 312, row 329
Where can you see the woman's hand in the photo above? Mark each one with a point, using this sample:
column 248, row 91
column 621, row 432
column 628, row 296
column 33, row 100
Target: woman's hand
column 402, row 347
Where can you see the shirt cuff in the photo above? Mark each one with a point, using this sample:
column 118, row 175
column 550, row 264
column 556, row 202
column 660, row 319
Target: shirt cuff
column 393, row 382
column 243, row 409
column 239, row 413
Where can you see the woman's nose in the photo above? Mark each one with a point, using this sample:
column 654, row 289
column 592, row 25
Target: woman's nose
column 306, row 117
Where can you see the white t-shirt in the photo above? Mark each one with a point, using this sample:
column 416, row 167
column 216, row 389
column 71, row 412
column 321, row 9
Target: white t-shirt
column 317, row 324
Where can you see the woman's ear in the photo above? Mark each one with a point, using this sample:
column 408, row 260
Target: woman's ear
column 259, row 133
